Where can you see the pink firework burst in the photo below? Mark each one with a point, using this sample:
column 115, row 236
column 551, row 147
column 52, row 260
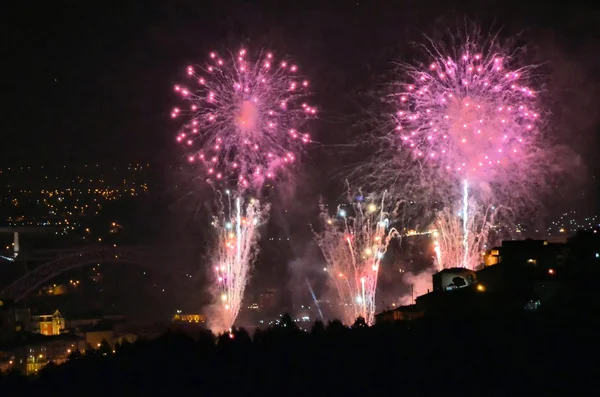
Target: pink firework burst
column 468, row 111
column 243, row 116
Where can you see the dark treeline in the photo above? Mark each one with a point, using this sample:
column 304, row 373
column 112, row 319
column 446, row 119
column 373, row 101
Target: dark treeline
column 549, row 352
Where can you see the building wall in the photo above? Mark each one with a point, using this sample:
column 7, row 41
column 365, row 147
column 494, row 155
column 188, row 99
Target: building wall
column 403, row 313
column 491, row 257
column 48, row 324
column 444, row 279
column 492, row 278
column 46, row 328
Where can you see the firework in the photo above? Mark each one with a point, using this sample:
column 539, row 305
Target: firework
column 459, row 238
column 234, row 255
column 353, row 243
column 466, row 128
column 243, row 116
column 470, row 112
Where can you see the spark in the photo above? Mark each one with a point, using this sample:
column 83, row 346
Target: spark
column 463, row 127
column 243, row 116
column 458, row 241
column 451, row 115
column 465, row 215
column 233, row 256
column 468, row 112
column 353, row 247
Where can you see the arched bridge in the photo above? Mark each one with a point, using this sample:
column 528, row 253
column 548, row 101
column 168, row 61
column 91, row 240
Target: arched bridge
column 63, row 261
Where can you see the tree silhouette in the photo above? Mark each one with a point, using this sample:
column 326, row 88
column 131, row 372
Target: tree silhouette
column 335, row 326
column 287, row 322
column 105, row 348
column 359, row 322
column 318, row 328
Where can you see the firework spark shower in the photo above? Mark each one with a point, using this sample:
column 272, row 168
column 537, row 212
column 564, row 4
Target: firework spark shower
column 467, row 118
column 354, row 242
column 471, row 112
column 233, row 256
column 243, row 116
column 458, row 240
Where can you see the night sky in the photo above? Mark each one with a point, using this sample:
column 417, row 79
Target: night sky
column 86, row 82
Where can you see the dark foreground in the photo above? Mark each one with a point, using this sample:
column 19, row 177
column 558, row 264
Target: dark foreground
column 549, row 352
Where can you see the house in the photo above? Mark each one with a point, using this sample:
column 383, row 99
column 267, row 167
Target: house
column 48, row 324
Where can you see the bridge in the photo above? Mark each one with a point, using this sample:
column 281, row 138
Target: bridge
column 60, row 261
column 15, row 230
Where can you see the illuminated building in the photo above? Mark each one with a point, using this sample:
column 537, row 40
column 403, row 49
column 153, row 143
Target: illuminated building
column 54, row 289
column 48, row 324
column 188, row 318
column 33, row 353
column 491, row 257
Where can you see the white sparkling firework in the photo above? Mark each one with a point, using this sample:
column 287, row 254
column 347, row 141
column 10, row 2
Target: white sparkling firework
column 459, row 240
column 354, row 242
column 233, row 256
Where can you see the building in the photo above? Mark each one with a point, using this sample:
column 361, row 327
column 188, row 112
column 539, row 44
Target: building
column 95, row 337
column 12, row 319
column 533, row 253
column 491, row 257
column 22, row 318
column 7, row 319
column 457, row 302
column 453, row 278
column 179, row 316
column 402, row 313
column 32, row 352
column 48, row 324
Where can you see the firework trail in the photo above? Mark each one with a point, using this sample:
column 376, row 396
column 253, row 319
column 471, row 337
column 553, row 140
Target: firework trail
column 353, row 243
column 314, row 299
column 458, row 240
column 243, row 116
column 233, row 256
